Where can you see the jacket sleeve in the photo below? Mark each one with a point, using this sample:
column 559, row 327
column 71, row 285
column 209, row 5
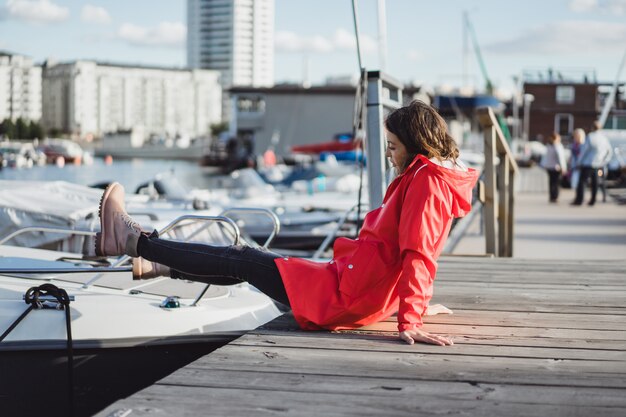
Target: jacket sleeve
column 423, row 217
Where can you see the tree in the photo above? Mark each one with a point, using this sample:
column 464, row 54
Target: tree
column 22, row 129
column 36, row 131
column 217, row 128
column 7, row 129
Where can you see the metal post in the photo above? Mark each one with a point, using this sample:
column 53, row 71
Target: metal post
column 383, row 94
column 375, row 149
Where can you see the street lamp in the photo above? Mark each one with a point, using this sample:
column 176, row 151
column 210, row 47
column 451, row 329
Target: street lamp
column 528, row 98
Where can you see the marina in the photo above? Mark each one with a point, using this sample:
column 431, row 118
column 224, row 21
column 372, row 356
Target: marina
column 533, row 333
column 295, row 218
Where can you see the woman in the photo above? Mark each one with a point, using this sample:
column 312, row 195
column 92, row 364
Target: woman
column 553, row 161
column 390, row 267
column 577, row 145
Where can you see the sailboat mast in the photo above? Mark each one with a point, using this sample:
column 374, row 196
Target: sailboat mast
column 382, row 35
column 355, row 18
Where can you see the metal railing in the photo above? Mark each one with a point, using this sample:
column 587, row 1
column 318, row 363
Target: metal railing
column 188, row 217
column 499, row 179
column 46, row 229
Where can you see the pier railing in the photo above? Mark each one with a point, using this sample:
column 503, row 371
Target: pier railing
column 499, row 178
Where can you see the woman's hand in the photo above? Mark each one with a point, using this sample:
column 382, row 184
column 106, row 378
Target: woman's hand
column 417, row 335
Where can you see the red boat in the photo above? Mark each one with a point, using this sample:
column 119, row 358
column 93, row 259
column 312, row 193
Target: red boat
column 341, row 142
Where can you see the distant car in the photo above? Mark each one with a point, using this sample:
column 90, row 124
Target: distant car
column 617, row 164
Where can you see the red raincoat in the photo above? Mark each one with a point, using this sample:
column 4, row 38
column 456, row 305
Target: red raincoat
column 392, row 264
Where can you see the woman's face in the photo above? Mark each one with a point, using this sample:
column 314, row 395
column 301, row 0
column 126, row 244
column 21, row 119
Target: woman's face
column 396, row 151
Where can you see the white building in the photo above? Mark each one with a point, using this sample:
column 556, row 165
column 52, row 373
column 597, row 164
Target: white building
column 20, row 88
column 87, row 97
column 235, row 37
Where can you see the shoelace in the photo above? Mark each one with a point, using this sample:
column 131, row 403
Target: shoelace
column 130, row 223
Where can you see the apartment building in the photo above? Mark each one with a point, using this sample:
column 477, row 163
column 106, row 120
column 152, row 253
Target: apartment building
column 20, row 88
column 95, row 98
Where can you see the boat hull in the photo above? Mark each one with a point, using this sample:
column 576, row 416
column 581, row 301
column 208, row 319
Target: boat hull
column 36, row 382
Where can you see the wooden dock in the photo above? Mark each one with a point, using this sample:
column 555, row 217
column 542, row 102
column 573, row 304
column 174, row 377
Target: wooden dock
column 540, row 338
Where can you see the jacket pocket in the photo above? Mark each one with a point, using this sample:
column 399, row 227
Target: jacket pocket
column 364, row 271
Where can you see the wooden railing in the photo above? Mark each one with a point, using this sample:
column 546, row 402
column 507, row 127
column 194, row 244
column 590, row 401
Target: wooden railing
column 499, row 178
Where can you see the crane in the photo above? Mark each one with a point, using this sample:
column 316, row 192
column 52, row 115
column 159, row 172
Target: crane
column 489, row 88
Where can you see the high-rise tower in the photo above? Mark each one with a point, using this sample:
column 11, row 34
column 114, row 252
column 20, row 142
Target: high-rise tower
column 235, row 37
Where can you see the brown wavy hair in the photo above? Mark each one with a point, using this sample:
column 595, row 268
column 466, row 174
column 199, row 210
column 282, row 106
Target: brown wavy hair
column 422, row 131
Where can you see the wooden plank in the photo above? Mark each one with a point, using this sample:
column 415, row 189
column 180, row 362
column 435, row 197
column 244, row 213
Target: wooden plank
column 485, row 295
column 161, row 400
column 528, row 319
column 502, row 306
column 483, row 330
column 504, row 239
column 482, row 340
column 586, row 280
column 387, row 343
column 489, row 209
column 423, row 367
column 442, row 390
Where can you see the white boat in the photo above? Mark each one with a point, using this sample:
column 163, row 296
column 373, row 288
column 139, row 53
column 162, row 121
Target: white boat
column 128, row 145
column 115, row 311
column 125, row 334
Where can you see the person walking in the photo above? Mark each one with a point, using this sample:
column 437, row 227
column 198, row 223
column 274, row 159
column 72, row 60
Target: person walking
column 553, row 161
column 595, row 155
column 389, row 268
column 578, row 138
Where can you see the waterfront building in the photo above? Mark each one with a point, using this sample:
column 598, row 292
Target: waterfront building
column 20, row 88
column 296, row 114
column 562, row 101
column 235, row 37
column 95, row 98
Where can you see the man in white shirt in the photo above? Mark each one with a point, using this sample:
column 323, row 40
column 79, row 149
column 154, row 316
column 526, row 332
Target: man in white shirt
column 595, row 155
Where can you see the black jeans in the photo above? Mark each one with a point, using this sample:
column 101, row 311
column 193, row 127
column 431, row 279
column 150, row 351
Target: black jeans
column 219, row 265
column 553, row 183
column 587, row 172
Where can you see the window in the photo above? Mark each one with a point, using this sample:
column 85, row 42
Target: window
column 564, row 124
column 250, row 105
column 565, row 94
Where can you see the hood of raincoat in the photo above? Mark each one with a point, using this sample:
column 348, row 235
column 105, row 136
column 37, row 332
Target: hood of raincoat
column 460, row 180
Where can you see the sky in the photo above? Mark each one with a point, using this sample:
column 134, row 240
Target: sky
column 315, row 39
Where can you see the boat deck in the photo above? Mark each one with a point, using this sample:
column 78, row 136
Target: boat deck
column 540, row 337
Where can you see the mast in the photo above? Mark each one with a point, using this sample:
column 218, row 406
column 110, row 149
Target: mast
column 382, row 35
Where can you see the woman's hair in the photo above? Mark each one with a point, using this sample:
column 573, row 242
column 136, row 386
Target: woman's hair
column 580, row 134
column 554, row 138
column 422, row 131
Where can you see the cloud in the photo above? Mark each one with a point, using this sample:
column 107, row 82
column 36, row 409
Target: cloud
column 607, row 6
column 566, row 38
column 582, row 6
column 40, row 11
column 95, row 14
column 341, row 40
column 166, row 34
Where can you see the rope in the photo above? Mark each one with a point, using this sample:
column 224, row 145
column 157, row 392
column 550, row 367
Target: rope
column 358, row 129
column 34, row 301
